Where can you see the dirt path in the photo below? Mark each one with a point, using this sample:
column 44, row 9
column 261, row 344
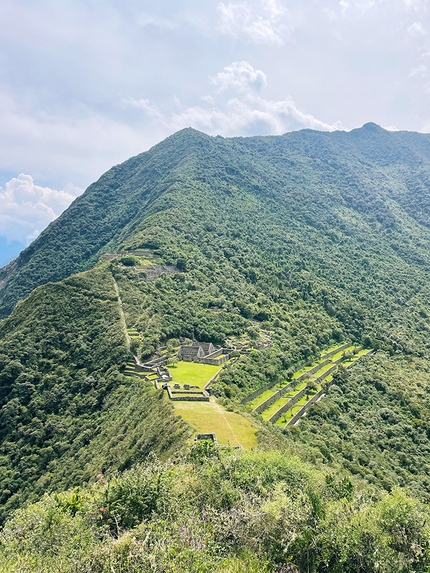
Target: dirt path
column 221, row 410
column 121, row 313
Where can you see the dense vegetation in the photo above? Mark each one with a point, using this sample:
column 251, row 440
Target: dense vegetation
column 255, row 512
column 376, row 422
column 66, row 411
column 289, row 244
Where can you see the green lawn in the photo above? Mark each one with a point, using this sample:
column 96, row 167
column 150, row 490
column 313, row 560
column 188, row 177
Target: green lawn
column 293, row 411
column 363, row 352
column 307, row 368
column 192, row 373
column 276, row 405
column 229, row 427
column 321, row 370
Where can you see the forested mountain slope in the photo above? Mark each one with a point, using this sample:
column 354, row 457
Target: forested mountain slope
column 343, row 189
column 292, row 243
column 67, row 413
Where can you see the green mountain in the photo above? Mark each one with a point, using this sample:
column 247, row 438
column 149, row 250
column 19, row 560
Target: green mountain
column 278, row 247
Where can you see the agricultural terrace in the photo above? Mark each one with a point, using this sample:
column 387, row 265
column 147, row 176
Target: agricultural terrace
column 268, row 413
column 230, row 428
column 267, row 393
column 192, row 373
column 297, row 395
column 286, row 417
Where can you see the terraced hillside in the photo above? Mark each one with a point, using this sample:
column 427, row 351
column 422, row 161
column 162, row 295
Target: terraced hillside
column 289, row 400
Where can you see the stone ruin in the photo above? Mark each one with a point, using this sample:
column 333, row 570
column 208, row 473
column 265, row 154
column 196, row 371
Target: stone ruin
column 203, row 352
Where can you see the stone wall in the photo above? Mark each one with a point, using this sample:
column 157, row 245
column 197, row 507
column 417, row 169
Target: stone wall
column 215, row 354
column 312, row 371
column 333, row 352
column 269, row 386
column 202, row 396
column 215, row 361
column 300, row 395
column 162, row 361
column 302, row 410
column 290, row 403
column 209, row 436
column 258, row 392
column 206, row 386
column 273, row 398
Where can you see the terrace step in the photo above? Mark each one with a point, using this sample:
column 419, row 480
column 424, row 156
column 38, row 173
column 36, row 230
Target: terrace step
column 318, row 372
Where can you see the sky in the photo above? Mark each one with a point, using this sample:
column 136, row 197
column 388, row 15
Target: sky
column 85, row 84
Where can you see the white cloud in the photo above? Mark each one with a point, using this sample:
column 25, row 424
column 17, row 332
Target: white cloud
column 416, row 29
column 244, row 114
column 250, row 115
column 264, row 22
column 145, row 20
column 240, row 76
column 26, row 208
column 418, row 5
column 420, row 71
column 208, row 99
column 83, row 143
column 150, row 109
column 360, row 5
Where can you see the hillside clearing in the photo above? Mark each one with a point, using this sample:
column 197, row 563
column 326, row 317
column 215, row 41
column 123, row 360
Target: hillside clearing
column 230, row 428
column 192, row 373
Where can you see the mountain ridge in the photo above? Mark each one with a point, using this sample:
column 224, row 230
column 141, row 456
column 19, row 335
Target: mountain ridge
column 115, row 212
column 273, row 249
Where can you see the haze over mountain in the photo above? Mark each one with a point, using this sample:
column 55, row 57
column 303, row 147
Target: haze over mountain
column 307, row 239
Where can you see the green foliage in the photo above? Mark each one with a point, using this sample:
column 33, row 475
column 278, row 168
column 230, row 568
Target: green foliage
column 129, row 261
column 289, row 243
column 375, row 422
column 211, row 517
column 133, row 497
column 67, row 413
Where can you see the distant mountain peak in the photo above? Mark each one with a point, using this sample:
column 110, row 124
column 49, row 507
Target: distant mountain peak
column 371, row 126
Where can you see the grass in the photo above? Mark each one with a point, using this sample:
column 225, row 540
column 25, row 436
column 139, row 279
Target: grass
column 276, row 405
column 260, row 399
column 363, row 352
column 280, row 402
column 321, row 370
column 266, row 414
column 325, row 352
column 286, row 417
column 267, row 393
column 307, row 368
column 340, row 354
column 192, row 373
column 196, row 392
column 229, row 427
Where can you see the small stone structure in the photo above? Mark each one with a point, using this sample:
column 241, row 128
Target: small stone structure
column 186, row 395
column 209, row 436
column 196, row 351
column 152, row 272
